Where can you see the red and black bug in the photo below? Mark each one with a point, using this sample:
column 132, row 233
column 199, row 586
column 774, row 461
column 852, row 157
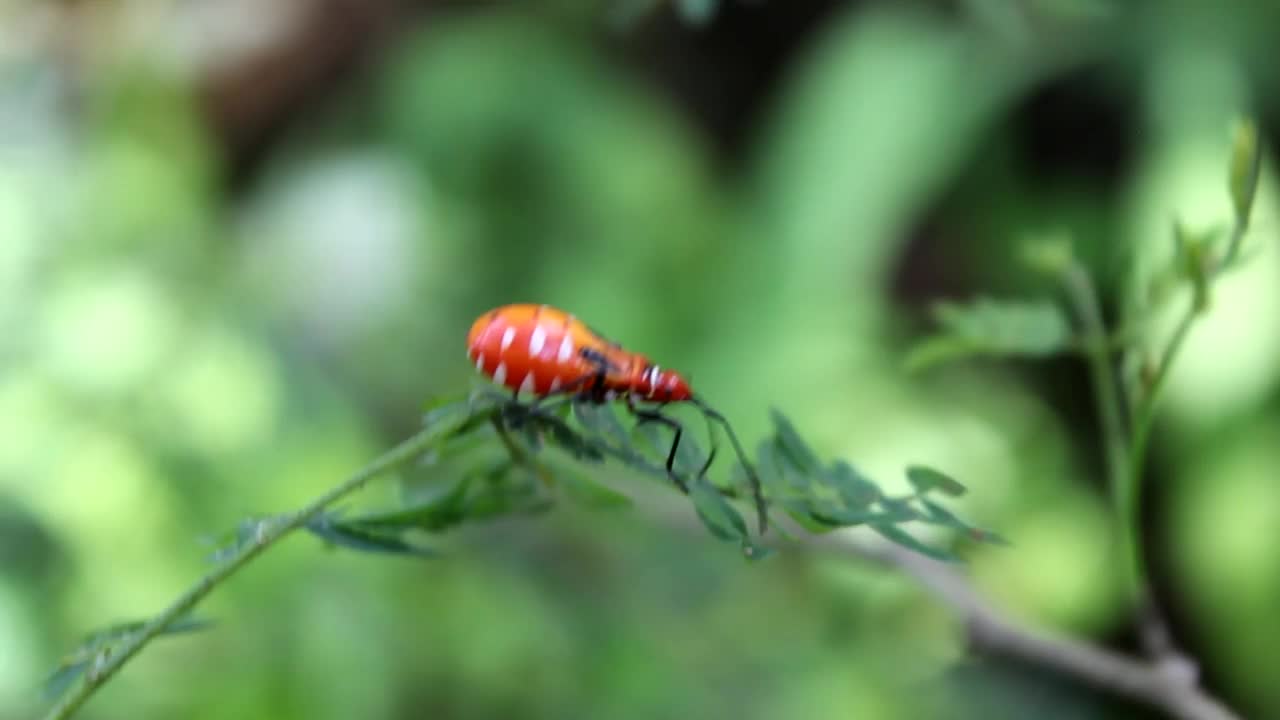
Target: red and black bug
column 541, row 351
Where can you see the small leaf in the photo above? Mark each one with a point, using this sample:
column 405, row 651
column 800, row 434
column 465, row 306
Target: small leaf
column 854, row 487
column 689, row 454
column 246, row 532
column 902, row 537
column 720, row 518
column 1011, row 328
column 62, row 678
column 938, row 350
column 364, row 538
column 938, row 515
column 1246, row 162
column 793, row 448
column 78, row 660
column 802, row 511
column 567, row 439
column 767, row 468
column 449, row 411
column 899, row 509
column 778, row 477
column 587, row 492
column 438, row 506
column 840, row 517
column 925, row 479
column 602, row 421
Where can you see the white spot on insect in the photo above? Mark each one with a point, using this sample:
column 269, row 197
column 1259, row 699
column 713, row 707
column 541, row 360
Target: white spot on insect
column 480, row 362
column 529, row 382
column 555, row 384
column 508, row 336
column 537, row 340
column 566, row 349
column 500, row 375
column 654, row 373
column 610, row 395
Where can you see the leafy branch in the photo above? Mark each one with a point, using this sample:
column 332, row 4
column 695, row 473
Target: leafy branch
column 1040, row 328
column 486, row 456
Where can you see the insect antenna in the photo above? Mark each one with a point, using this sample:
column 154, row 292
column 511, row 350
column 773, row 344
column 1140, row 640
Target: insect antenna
column 757, row 492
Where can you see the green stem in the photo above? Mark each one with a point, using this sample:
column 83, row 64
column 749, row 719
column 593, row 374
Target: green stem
column 1103, row 376
column 1145, row 415
column 108, row 663
column 1120, row 453
column 518, row 454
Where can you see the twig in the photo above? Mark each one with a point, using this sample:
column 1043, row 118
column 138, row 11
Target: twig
column 1105, row 381
column 1152, row 683
column 107, row 664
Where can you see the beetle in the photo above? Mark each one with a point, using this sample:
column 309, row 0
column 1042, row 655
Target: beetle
column 541, row 351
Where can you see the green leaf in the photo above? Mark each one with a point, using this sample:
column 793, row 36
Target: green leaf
column 1000, row 328
column 74, row 663
column 438, row 402
column 802, row 512
column 437, row 506
column 854, row 488
column 603, row 421
column 246, row 531
column 793, row 448
column 719, row 517
column 587, row 492
column 689, row 455
column 62, row 678
column 938, row 515
column 1246, row 163
column 840, row 517
column 893, row 511
column 566, row 438
column 899, row 508
column 778, row 477
column 365, row 538
column 925, row 479
column 902, row 537
column 451, row 410
column 767, row 468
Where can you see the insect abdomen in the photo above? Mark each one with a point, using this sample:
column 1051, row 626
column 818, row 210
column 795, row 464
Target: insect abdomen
column 533, row 349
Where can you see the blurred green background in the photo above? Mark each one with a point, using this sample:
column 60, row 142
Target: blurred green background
column 241, row 244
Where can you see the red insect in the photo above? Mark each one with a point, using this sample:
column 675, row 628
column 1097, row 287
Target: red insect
column 541, row 351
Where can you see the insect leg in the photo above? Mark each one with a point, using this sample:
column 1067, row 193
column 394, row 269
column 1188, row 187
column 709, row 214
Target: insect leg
column 643, row 416
column 757, row 492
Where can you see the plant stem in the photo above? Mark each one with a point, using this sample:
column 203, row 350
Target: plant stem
column 1105, row 380
column 1144, row 417
column 518, row 454
column 108, row 662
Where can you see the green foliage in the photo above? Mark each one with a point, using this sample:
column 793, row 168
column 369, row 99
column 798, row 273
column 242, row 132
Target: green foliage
column 506, row 458
column 998, row 328
column 99, row 644
column 924, row 479
column 1246, row 165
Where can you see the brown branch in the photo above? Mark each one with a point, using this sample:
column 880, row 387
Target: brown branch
column 1158, row 684
column 1163, row 683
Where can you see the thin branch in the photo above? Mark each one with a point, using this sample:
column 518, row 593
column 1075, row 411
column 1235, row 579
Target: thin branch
column 1105, row 380
column 1153, row 683
column 268, row 532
